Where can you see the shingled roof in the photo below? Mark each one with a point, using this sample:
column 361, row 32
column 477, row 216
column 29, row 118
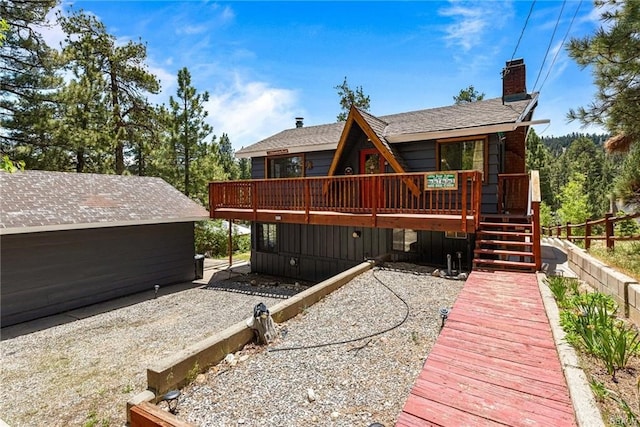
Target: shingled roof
column 400, row 127
column 34, row 201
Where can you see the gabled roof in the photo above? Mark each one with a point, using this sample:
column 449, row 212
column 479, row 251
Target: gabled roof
column 373, row 128
column 456, row 120
column 34, row 201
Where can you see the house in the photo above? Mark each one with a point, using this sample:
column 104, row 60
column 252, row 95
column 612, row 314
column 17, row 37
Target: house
column 68, row 240
column 430, row 186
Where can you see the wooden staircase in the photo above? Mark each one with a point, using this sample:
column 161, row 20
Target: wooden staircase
column 504, row 242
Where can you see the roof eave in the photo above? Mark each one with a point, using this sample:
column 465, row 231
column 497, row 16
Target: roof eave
column 288, row 150
column 455, row 133
column 91, row 225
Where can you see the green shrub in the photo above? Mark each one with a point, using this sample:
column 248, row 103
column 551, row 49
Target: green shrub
column 627, row 227
column 213, row 240
column 559, row 288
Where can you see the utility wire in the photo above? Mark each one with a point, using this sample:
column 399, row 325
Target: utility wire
column 563, row 42
column 549, row 46
column 327, row 344
column 523, row 28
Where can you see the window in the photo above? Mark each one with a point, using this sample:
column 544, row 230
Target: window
column 285, row 167
column 405, row 240
column 267, row 237
column 455, row 235
column 462, row 154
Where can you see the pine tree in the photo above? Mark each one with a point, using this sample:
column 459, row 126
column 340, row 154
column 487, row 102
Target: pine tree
column 92, row 51
column 613, row 53
column 349, row 97
column 227, row 160
column 468, row 95
column 28, row 78
column 189, row 129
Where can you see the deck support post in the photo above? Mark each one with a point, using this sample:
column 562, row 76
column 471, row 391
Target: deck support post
column 254, row 201
column 608, row 226
column 307, row 201
column 465, row 185
column 374, row 200
column 230, row 222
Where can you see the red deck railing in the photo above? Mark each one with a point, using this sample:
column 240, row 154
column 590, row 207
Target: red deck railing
column 513, row 189
column 370, row 195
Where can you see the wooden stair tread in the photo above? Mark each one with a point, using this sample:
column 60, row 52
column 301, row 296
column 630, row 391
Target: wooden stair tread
column 503, row 242
column 506, row 233
column 502, row 252
column 505, row 225
column 504, row 263
column 506, row 216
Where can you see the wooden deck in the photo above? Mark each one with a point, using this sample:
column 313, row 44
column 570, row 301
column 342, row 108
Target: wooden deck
column 494, row 363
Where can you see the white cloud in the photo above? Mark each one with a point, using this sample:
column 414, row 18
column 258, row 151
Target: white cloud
column 51, row 32
column 472, row 21
column 251, row 111
column 168, row 82
column 221, row 18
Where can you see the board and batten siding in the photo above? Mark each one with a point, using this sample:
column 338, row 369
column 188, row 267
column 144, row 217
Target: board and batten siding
column 52, row 272
column 321, row 251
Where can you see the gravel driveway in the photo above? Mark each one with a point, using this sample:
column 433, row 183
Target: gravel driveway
column 353, row 384
column 83, row 373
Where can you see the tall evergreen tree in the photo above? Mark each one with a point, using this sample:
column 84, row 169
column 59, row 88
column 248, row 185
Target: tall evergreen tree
column 349, row 97
column 27, row 81
column 93, row 51
column 227, row 159
column 613, row 52
column 585, row 158
column 189, row 129
column 245, row 168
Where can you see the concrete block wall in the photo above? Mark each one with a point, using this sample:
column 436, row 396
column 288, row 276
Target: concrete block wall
column 625, row 290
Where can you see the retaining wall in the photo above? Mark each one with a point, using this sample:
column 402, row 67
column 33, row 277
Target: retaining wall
column 175, row 370
column 625, row 290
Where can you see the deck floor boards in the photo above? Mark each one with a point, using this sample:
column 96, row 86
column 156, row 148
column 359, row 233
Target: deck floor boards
column 494, row 363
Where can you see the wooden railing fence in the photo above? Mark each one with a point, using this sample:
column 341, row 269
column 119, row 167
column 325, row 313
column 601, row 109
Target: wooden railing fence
column 355, row 194
column 604, row 225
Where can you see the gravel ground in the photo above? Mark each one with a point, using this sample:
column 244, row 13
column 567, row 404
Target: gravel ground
column 83, row 373
column 353, row 384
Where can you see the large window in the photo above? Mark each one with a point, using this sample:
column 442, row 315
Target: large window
column 468, row 154
column 267, row 237
column 404, row 240
column 285, row 167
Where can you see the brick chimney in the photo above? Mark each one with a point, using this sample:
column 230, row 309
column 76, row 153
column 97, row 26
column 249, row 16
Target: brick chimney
column 299, row 122
column 514, row 81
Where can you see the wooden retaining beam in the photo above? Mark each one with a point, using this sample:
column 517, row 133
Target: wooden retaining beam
column 173, row 371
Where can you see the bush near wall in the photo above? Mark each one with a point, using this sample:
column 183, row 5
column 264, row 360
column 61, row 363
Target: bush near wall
column 213, row 240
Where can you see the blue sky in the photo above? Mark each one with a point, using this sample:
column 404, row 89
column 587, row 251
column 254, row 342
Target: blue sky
column 265, row 63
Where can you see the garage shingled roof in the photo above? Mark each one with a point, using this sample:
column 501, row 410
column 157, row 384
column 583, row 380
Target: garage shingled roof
column 35, row 201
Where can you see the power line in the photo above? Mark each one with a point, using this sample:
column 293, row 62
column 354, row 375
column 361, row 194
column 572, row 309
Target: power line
column 549, row 46
column 563, row 42
column 523, row 28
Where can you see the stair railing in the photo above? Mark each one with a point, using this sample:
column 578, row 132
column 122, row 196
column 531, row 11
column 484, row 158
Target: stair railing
column 533, row 209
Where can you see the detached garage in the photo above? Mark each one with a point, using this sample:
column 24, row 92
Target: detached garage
column 68, row 240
